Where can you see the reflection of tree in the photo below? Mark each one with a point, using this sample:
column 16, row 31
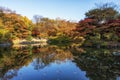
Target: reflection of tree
column 38, row 64
column 99, row 64
column 12, row 59
column 10, row 74
column 50, row 54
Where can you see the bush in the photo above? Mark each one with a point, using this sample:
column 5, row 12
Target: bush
column 62, row 39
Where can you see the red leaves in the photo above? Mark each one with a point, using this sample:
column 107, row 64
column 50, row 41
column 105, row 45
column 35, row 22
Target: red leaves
column 85, row 26
column 113, row 21
column 87, row 20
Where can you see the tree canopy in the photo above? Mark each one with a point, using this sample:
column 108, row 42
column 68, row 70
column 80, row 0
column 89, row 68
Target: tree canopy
column 103, row 12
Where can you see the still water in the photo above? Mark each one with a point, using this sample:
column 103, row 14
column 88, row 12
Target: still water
column 58, row 63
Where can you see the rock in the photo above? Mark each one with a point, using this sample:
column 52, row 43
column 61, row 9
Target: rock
column 116, row 53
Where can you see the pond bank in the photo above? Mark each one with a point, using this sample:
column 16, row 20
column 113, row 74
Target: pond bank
column 32, row 45
column 33, row 41
column 101, row 45
column 107, row 46
column 23, row 42
column 5, row 44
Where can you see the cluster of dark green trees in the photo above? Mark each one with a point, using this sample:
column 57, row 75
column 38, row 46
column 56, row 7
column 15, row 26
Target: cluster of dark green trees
column 101, row 26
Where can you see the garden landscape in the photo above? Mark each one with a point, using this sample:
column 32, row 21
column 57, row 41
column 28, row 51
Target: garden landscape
column 44, row 48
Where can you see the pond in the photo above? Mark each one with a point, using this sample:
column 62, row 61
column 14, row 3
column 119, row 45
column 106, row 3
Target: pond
column 58, row 63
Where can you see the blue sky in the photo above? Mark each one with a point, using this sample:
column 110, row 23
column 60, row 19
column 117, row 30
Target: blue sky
column 65, row 9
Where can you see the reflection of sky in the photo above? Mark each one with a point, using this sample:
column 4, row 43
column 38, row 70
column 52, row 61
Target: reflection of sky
column 66, row 70
column 118, row 78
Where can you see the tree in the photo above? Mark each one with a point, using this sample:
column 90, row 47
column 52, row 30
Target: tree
column 45, row 27
column 30, row 25
column 103, row 13
column 37, row 18
column 14, row 25
column 85, row 26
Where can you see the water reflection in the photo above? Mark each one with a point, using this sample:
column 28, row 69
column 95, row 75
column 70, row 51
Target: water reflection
column 57, row 63
column 99, row 64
